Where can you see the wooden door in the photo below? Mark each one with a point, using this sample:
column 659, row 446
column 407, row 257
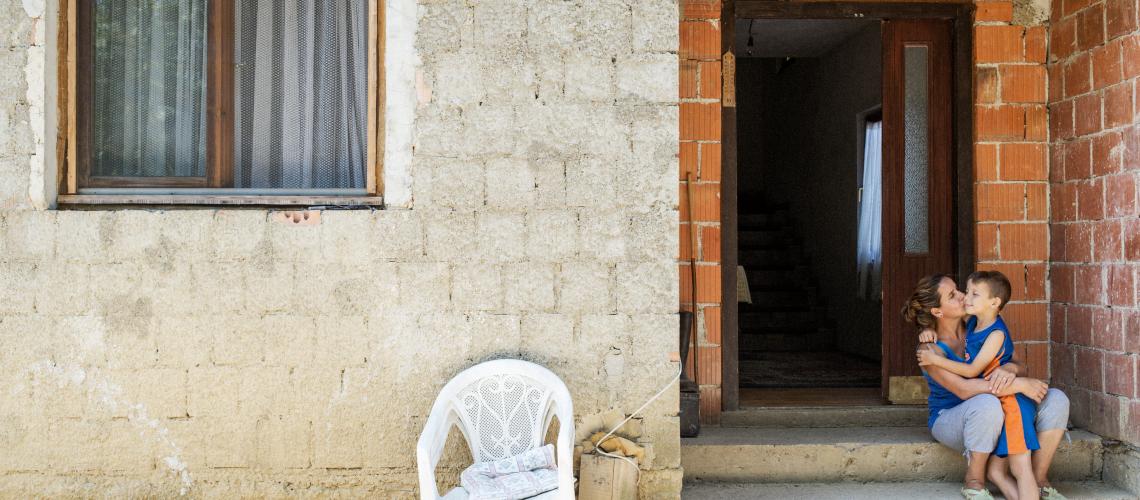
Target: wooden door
column 918, row 181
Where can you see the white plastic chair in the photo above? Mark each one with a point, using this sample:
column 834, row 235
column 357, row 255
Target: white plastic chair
column 503, row 407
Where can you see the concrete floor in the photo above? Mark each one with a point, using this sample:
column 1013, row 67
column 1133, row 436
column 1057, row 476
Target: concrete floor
column 874, row 491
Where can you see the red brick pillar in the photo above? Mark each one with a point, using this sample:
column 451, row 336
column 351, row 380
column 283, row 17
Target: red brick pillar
column 1011, row 170
column 700, row 123
column 1094, row 69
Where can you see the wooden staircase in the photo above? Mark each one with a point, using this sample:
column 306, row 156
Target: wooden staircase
column 786, row 313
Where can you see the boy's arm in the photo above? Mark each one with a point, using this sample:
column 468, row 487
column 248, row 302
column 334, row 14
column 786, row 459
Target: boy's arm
column 977, row 365
column 1016, row 366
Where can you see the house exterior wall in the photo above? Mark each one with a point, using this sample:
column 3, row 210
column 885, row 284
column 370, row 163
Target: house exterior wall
column 224, row 352
column 1094, row 70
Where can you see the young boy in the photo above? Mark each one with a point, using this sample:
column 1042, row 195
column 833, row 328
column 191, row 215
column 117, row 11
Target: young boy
column 989, row 345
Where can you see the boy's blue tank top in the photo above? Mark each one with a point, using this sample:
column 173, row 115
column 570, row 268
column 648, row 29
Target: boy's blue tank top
column 975, row 340
column 940, row 398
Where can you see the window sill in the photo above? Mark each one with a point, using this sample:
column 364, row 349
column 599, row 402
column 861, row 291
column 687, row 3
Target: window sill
column 79, row 200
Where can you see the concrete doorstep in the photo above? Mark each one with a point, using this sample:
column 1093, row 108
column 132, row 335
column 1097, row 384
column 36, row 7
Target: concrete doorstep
column 851, row 454
column 696, row 490
column 827, row 416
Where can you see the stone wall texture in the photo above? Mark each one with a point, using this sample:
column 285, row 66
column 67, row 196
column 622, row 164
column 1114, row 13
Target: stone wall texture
column 226, row 352
column 1094, row 70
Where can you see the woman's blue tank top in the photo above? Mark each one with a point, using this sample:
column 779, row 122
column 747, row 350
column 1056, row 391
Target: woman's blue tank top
column 940, row 398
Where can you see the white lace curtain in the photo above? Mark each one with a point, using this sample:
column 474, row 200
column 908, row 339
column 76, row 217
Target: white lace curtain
column 300, row 85
column 300, row 93
column 870, row 249
column 149, row 88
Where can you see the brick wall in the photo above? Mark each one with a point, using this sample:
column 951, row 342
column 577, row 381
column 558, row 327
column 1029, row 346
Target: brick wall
column 700, row 154
column 1094, row 70
column 1010, row 166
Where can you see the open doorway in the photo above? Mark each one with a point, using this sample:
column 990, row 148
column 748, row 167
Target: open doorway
column 809, row 118
column 850, row 162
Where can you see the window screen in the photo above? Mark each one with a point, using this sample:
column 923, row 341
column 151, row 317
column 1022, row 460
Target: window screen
column 300, row 93
column 149, row 89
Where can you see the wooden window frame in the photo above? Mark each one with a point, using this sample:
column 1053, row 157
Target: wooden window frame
column 75, row 127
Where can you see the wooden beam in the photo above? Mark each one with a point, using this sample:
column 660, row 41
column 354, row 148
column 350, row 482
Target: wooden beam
column 68, row 117
column 376, row 91
column 964, row 141
column 218, row 200
column 220, row 94
column 729, row 307
column 800, row 9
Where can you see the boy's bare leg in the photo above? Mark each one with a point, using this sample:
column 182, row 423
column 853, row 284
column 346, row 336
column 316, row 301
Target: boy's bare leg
column 976, row 470
column 1022, row 467
column 998, row 473
column 1043, row 458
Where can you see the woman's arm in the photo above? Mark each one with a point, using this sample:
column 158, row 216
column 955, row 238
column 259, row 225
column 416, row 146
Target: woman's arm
column 975, row 367
column 966, row 388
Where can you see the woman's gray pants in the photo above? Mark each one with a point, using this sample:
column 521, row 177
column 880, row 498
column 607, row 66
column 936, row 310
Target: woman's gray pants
column 975, row 424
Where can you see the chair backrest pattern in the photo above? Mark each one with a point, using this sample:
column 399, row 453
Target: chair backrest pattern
column 503, row 415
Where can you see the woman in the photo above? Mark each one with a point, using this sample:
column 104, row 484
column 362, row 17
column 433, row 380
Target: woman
column 964, row 413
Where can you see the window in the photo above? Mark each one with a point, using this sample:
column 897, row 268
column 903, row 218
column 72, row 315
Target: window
column 869, row 252
column 222, row 101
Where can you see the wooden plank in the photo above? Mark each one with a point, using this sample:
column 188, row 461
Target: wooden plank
column 65, row 152
column 220, row 95
column 964, row 140
column 371, row 173
column 83, row 46
column 381, row 94
column 730, row 350
column 246, row 200
column 145, row 182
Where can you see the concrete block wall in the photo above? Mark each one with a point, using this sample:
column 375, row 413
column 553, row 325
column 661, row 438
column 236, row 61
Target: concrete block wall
column 1094, row 70
column 225, row 352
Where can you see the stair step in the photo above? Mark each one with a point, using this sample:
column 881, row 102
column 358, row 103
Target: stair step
column 799, row 317
column 886, row 454
column 781, row 278
column 753, row 349
column 801, row 331
column 784, row 340
column 762, row 238
column 774, row 219
column 949, row 490
column 782, row 298
column 772, row 258
column 827, row 416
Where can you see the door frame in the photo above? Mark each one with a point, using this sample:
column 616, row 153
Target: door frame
column 961, row 13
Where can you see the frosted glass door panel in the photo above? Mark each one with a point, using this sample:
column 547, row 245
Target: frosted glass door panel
column 916, row 156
